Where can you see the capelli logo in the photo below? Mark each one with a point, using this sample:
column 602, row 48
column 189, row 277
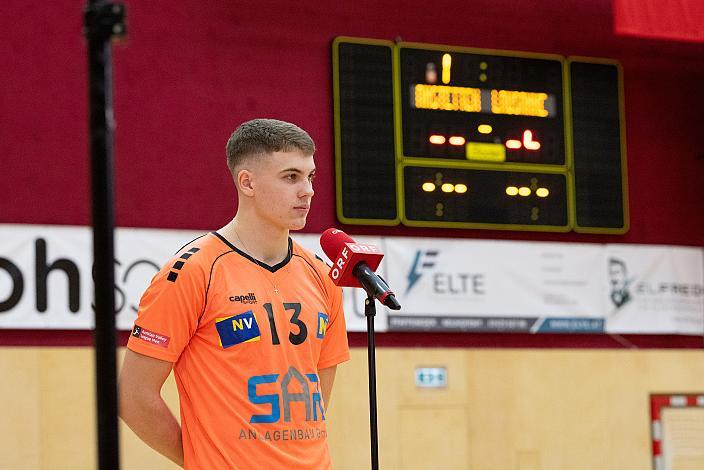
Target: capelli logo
column 250, row 298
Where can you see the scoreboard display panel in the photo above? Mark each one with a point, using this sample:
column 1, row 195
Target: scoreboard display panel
column 443, row 196
column 442, row 136
column 469, row 108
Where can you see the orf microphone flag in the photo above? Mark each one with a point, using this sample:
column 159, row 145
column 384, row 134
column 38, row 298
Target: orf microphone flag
column 354, row 264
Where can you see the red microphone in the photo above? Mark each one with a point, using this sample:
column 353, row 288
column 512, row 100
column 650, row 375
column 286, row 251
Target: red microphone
column 353, row 265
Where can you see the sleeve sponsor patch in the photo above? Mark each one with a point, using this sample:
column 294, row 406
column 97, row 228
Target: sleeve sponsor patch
column 150, row 336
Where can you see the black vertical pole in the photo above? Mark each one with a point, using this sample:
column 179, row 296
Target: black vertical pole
column 103, row 21
column 370, row 313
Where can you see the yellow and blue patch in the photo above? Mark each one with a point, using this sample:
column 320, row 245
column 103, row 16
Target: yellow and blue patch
column 241, row 328
column 322, row 325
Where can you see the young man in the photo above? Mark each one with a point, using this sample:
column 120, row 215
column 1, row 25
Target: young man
column 249, row 321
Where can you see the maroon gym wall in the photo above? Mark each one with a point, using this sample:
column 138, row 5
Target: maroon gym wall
column 190, row 71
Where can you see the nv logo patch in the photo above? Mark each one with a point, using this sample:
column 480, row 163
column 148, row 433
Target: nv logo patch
column 322, row 325
column 242, row 328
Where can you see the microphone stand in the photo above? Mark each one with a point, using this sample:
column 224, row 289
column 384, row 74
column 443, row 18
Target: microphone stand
column 103, row 21
column 370, row 313
column 376, row 287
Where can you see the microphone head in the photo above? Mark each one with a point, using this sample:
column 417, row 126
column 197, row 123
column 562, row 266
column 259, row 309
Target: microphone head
column 345, row 254
column 332, row 240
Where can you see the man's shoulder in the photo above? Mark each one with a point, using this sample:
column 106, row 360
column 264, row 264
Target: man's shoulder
column 198, row 255
column 316, row 264
column 313, row 259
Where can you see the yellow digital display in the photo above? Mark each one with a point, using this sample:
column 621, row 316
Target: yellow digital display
column 481, row 109
column 485, row 152
column 447, row 98
column 446, row 67
column 477, row 100
column 519, row 103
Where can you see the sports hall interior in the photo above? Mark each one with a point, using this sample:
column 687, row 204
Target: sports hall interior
column 189, row 71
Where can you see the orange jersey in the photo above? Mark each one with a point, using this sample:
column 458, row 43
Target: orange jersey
column 247, row 341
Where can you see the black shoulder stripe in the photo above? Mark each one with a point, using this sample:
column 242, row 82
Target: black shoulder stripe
column 192, row 250
column 173, row 275
column 311, row 267
column 324, row 262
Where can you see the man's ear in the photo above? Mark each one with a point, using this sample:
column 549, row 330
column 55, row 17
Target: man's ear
column 244, row 183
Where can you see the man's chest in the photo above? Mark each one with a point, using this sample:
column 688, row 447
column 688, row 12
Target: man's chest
column 258, row 311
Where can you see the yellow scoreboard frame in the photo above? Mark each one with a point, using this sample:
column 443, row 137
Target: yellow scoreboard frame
column 491, row 162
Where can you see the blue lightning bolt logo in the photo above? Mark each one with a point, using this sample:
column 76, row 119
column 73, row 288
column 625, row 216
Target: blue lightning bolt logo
column 416, row 269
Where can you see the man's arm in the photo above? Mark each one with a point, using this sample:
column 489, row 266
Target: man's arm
column 143, row 409
column 327, row 378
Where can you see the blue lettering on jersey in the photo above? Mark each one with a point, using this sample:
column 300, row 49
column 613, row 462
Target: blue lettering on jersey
column 242, row 328
column 317, row 398
column 295, row 388
column 322, row 325
column 273, row 400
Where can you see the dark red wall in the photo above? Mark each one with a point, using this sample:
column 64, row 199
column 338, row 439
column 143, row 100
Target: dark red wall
column 191, row 70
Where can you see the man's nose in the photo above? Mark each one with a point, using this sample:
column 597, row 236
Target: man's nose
column 308, row 190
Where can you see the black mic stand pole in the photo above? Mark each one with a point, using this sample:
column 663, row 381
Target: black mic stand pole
column 103, row 22
column 370, row 313
column 376, row 287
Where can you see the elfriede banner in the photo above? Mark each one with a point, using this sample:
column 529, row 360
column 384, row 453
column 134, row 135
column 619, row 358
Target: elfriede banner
column 442, row 284
column 653, row 289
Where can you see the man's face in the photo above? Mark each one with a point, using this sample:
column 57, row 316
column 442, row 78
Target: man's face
column 282, row 186
column 617, row 275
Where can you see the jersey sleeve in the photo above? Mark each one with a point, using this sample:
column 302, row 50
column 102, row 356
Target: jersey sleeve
column 335, row 348
column 169, row 311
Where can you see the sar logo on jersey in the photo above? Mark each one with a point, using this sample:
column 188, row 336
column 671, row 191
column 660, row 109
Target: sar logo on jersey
column 242, row 328
column 322, row 325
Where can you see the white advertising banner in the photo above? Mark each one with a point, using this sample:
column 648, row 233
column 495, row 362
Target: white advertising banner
column 480, row 285
column 442, row 284
column 653, row 289
column 46, row 275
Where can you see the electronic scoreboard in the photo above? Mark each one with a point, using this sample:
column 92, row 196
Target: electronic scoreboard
column 441, row 136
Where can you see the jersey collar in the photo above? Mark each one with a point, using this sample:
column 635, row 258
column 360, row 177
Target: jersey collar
column 270, row 268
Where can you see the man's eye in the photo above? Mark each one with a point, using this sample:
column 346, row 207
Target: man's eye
column 291, row 177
